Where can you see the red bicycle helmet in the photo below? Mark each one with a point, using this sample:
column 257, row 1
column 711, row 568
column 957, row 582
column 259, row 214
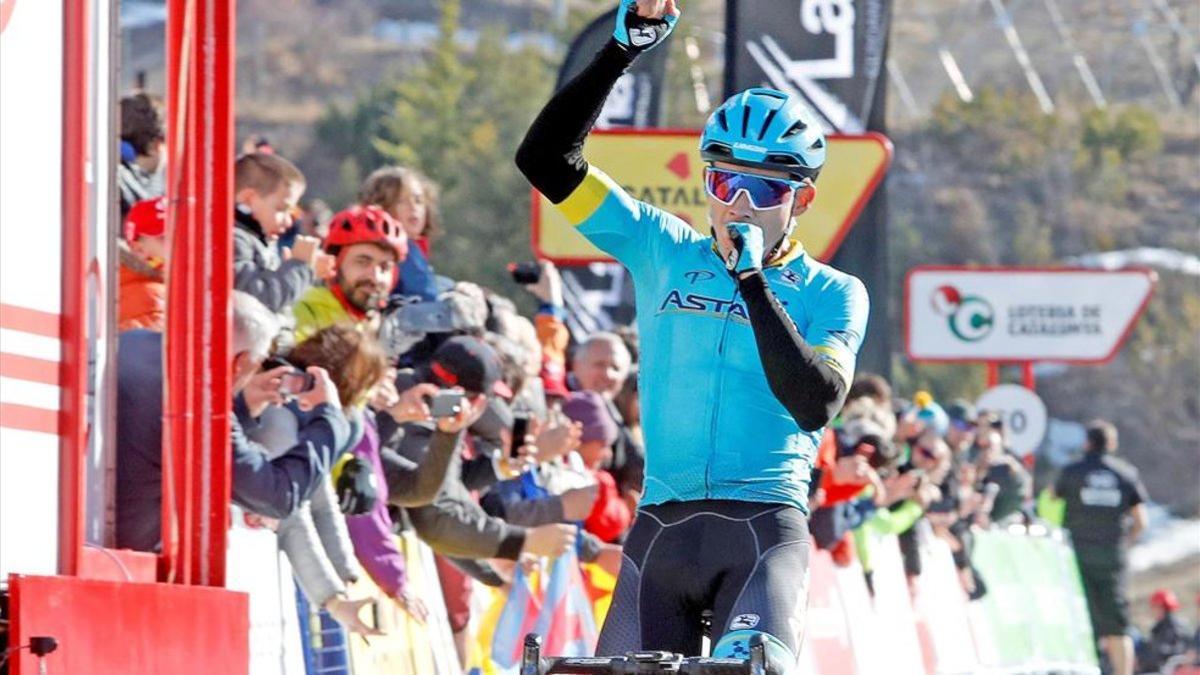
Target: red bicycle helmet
column 1165, row 599
column 366, row 224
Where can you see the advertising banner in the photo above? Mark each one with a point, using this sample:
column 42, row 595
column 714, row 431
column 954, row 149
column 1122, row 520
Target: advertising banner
column 830, row 52
column 636, row 100
column 1022, row 314
column 1034, row 609
column 663, row 168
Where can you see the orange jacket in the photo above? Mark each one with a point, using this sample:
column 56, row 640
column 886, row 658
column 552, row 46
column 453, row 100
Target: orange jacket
column 142, row 301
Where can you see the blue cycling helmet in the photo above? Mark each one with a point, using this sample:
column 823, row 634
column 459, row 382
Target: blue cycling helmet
column 765, row 128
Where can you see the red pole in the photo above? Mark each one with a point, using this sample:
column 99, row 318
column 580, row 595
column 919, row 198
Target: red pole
column 176, row 418
column 213, row 144
column 1027, row 378
column 73, row 322
column 993, row 374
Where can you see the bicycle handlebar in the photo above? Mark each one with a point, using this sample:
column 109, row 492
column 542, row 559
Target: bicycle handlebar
column 640, row 663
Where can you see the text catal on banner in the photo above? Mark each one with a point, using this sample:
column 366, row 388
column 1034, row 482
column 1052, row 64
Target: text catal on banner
column 663, row 168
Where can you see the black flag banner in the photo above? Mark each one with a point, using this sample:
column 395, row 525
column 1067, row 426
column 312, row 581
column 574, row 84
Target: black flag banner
column 600, row 296
column 637, row 98
column 831, row 52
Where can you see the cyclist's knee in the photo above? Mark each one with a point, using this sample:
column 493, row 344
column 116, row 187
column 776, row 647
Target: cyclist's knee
column 780, row 660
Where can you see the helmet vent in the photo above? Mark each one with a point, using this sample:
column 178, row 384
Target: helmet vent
column 767, row 123
column 346, row 225
column 796, row 128
column 745, row 120
column 817, row 144
column 717, row 150
column 723, row 119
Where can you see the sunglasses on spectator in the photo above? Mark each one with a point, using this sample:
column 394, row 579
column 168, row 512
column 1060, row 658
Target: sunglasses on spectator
column 762, row 191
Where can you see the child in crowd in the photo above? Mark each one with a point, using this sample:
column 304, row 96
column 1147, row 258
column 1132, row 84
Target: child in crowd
column 611, row 515
column 143, row 149
column 266, row 189
column 142, row 297
column 411, row 199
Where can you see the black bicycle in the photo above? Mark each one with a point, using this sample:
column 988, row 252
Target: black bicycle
column 641, row 663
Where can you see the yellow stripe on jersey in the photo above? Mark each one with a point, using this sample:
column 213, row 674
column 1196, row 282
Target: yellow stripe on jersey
column 588, row 196
column 835, row 358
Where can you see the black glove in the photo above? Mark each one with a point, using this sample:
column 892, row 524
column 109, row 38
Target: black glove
column 637, row 34
column 355, row 485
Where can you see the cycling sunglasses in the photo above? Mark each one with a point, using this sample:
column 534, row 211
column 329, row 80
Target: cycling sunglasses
column 763, row 192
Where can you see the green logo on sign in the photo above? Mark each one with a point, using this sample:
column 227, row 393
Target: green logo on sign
column 970, row 317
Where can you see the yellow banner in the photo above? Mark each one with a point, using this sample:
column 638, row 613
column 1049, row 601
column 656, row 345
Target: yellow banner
column 663, row 168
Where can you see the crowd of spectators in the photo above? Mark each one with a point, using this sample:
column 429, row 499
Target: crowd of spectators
column 374, row 396
column 888, row 466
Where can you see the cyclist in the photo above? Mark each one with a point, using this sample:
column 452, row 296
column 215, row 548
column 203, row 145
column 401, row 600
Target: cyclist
column 748, row 349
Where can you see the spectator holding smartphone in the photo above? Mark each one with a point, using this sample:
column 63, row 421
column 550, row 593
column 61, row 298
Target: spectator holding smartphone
column 269, row 486
column 361, row 368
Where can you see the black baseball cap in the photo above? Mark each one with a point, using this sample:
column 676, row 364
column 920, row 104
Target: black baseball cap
column 470, row 363
column 961, row 412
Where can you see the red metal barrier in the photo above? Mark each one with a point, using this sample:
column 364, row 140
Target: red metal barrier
column 107, row 628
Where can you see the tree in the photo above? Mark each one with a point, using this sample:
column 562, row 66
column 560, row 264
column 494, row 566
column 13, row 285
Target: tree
column 458, row 117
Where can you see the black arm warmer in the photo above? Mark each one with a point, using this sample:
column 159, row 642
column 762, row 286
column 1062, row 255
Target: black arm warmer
column 810, row 390
column 551, row 156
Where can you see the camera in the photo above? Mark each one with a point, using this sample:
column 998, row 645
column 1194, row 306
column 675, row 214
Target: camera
column 525, row 273
column 862, row 437
column 446, row 403
column 292, row 383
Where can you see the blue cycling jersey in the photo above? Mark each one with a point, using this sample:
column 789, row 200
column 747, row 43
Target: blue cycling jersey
column 713, row 428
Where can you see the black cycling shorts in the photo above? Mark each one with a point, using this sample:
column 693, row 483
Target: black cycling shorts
column 746, row 562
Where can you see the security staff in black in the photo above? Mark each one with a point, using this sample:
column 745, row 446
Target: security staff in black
column 1105, row 510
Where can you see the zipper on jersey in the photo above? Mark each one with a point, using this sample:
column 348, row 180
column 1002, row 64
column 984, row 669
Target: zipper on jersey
column 716, row 407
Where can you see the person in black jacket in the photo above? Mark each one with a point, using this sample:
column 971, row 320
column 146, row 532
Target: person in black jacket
column 273, row 488
column 1170, row 637
column 1105, row 510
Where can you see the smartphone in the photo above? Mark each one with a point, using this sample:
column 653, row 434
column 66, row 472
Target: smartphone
column 426, row 317
column 520, row 428
column 525, row 273
column 297, row 382
column 446, row 403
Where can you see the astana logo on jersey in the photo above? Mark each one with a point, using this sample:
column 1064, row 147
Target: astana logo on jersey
column 698, row 303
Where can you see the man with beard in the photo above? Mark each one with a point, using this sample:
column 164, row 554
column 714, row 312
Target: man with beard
column 369, row 246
